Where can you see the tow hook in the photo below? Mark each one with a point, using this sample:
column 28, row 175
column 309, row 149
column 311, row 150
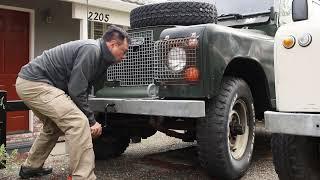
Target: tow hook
column 109, row 108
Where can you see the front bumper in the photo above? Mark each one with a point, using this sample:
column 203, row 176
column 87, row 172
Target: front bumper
column 305, row 124
column 155, row 107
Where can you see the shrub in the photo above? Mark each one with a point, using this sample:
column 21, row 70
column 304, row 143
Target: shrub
column 8, row 160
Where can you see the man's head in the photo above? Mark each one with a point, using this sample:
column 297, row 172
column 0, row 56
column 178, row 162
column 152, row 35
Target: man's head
column 117, row 41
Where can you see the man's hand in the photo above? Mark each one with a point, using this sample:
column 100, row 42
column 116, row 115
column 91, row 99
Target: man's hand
column 96, row 130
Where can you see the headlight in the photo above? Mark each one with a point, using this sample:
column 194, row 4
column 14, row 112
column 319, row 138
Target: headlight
column 177, row 59
column 305, row 40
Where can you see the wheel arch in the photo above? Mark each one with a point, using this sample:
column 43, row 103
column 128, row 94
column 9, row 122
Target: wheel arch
column 252, row 72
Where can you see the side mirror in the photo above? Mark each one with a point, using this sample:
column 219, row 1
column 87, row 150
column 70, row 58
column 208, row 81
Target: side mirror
column 299, row 10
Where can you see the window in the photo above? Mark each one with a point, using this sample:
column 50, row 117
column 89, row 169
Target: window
column 243, row 7
column 285, row 11
column 96, row 29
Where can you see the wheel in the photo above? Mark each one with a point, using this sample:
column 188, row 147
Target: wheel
column 226, row 135
column 296, row 157
column 173, row 13
column 108, row 146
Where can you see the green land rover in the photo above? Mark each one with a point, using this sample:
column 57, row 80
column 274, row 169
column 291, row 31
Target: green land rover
column 196, row 71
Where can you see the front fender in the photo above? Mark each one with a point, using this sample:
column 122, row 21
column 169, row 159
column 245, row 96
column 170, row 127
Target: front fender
column 223, row 44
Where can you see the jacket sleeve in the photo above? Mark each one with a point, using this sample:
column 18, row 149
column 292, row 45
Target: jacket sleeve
column 84, row 68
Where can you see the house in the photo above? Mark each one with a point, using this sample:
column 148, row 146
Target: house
column 29, row 27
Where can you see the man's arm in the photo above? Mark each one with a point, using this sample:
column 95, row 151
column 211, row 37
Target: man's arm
column 84, row 68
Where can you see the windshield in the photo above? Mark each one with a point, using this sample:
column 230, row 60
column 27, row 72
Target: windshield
column 242, row 7
column 285, row 9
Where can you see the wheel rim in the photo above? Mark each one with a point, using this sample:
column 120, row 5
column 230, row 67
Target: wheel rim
column 238, row 139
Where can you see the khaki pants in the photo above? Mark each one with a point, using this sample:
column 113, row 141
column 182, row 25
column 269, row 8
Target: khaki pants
column 59, row 116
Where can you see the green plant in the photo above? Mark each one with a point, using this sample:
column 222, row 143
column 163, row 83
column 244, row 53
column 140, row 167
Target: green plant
column 8, row 160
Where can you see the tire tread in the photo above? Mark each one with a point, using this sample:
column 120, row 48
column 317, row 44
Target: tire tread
column 173, row 13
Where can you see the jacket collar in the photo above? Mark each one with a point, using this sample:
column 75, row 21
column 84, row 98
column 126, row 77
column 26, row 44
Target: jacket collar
column 106, row 55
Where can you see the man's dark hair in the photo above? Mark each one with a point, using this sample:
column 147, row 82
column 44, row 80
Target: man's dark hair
column 116, row 33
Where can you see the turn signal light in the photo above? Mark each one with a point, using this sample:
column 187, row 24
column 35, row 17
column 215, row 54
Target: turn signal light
column 192, row 74
column 289, row 42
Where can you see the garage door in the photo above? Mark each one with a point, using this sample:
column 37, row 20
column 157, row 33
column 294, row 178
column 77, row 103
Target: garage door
column 14, row 53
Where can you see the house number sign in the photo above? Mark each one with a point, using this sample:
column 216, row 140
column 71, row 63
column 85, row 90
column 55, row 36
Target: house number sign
column 98, row 16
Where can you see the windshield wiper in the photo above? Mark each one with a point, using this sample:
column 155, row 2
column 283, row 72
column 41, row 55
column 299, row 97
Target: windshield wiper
column 236, row 16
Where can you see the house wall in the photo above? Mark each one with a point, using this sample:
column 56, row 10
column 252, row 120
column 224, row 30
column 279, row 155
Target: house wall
column 47, row 35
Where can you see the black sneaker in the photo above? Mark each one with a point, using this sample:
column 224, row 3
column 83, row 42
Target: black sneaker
column 28, row 172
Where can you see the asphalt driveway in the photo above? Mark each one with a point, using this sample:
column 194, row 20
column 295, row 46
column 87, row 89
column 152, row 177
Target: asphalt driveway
column 158, row 157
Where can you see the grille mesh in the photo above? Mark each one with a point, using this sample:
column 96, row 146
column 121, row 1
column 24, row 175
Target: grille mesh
column 138, row 66
column 148, row 61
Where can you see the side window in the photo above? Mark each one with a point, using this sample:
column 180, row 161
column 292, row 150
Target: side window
column 96, row 29
column 285, row 12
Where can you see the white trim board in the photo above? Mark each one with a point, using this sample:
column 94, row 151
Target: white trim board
column 107, row 4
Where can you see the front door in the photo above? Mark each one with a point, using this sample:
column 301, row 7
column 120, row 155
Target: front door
column 14, row 53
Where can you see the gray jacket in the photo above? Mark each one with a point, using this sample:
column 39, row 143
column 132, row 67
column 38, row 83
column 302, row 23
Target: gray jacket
column 71, row 67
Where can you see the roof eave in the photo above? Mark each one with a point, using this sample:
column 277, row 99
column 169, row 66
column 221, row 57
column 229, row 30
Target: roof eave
column 109, row 4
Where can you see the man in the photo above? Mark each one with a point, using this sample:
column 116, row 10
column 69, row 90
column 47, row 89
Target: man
column 55, row 86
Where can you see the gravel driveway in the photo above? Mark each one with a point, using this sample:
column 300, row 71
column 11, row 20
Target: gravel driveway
column 159, row 157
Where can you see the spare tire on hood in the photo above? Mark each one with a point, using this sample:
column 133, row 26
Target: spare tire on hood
column 173, row 13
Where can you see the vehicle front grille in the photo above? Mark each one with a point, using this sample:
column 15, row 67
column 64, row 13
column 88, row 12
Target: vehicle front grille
column 138, row 66
column 147, row 60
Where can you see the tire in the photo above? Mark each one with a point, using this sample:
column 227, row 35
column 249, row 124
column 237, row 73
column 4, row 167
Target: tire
column 106, row 147
column 296, row 157
column 173, row 13
column 222, row 152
